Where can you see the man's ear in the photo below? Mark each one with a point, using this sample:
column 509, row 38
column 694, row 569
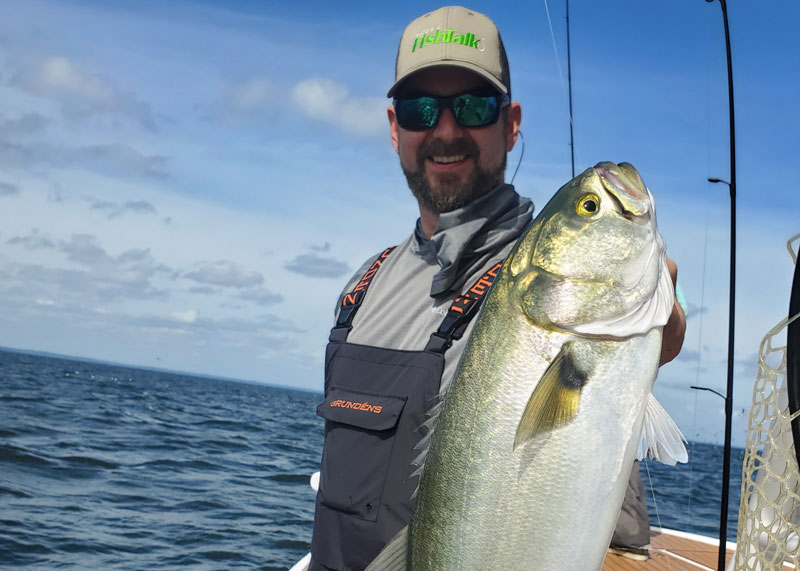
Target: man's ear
column 393, row 128
column 512, row 124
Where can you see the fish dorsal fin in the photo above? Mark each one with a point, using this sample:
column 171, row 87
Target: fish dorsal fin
column 556, row 398
column 662, row 440
column 394, row 556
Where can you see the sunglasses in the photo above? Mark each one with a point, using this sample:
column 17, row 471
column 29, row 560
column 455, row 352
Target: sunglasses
column 469, row 110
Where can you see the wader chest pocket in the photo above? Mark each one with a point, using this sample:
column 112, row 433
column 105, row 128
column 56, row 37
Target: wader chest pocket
column 358, row 446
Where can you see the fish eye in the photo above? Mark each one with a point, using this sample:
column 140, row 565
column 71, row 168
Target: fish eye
column 587, row 205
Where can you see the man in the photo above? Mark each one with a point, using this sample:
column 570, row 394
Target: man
column 396, row 342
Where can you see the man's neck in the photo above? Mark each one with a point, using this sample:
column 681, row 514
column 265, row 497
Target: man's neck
column 428, row 221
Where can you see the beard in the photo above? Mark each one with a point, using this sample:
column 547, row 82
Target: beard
column 451, row 192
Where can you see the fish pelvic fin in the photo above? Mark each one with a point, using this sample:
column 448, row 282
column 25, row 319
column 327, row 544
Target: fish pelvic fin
column 662, row 440
column 556, row 398
column 394, row 556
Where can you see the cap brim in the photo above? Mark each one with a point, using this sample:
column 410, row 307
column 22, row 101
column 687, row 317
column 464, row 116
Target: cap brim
column 476, row 69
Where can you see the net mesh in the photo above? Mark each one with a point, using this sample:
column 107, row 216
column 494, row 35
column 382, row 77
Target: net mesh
column 769, row 512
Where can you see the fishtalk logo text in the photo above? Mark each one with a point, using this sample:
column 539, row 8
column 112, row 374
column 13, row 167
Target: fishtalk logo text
column 446, row 37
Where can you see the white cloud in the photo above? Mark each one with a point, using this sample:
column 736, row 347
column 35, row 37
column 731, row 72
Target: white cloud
column 79, row 92
column 84, row 249
column 115, row 159
column 188, row 316
column 329, row 101
column 261, row 296
column 115, row 209
column 224, row 273
column 33, row 241
column 118, row 158
column 85, row 286
column 56, row 76
column 316, row 266
column 92, row 277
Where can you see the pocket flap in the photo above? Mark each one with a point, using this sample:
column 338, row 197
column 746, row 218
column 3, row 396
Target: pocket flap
column 365, row 410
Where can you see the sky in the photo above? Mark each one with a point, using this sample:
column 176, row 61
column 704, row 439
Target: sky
column 189, row 185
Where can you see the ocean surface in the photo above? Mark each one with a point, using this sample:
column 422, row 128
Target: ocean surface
column 105, row 466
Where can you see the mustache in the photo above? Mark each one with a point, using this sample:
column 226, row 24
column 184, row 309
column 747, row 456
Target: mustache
column 440, row 147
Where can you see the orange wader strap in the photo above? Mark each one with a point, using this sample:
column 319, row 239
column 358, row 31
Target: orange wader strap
column 352, row 301
column 461, row 311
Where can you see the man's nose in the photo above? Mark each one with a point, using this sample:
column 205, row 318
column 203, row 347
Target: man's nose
column 447, row 129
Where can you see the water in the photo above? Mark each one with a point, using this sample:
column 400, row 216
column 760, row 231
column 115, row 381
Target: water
column 687, row 496
column 110, row 466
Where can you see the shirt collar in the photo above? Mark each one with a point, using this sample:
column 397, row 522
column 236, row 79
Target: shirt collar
column 467, row 238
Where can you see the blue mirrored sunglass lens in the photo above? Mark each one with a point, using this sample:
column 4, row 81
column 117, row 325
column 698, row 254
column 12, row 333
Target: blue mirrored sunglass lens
column 475, row 111
column 417, row 114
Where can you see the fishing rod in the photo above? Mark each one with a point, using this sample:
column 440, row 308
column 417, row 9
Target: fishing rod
column 726, row 458
column 569, row 84
column 793, row 359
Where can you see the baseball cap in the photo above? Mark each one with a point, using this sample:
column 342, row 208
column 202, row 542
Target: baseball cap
column 453, row 36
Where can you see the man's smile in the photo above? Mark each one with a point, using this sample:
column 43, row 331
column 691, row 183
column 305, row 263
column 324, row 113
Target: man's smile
column 447, row 159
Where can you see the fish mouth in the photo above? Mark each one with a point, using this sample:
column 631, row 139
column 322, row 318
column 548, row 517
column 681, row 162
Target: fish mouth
column 626, row 188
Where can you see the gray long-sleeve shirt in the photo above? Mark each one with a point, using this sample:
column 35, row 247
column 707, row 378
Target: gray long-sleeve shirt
column 411, row 293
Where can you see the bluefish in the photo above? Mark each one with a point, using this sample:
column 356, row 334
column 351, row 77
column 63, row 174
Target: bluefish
column 533, row 443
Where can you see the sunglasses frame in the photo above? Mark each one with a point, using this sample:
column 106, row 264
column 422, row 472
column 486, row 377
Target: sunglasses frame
column 446, row 102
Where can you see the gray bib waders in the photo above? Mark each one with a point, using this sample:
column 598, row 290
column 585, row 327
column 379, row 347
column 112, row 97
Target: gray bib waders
column 376, row 401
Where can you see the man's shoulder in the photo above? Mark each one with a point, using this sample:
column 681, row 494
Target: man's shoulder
column 364, row 268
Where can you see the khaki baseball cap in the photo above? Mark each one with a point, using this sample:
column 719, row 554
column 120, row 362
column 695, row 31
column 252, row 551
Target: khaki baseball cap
column 453, row 36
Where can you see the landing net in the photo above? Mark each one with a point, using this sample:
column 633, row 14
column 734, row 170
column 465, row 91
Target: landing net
column 769, row 512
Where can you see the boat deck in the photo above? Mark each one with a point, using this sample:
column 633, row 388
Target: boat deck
column 669, row 551
column 673, row 551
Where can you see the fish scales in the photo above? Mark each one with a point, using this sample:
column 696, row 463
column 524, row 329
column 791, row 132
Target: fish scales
column 480, row 512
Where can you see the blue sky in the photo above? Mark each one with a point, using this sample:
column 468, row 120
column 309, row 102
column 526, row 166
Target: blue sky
column 189, row 184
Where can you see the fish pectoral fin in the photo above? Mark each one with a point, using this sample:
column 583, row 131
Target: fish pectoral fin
column 394, row 556
column 662, row 440
column 556, row 398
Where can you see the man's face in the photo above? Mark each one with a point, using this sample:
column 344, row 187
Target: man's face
column 449, row 166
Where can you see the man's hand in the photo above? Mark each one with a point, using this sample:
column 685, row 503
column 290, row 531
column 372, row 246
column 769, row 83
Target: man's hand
column 675, row 329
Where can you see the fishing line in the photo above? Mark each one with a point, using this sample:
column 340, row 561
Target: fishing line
column 655, row 503
column 521, row 154
column 555, row 50
column 699, row 358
